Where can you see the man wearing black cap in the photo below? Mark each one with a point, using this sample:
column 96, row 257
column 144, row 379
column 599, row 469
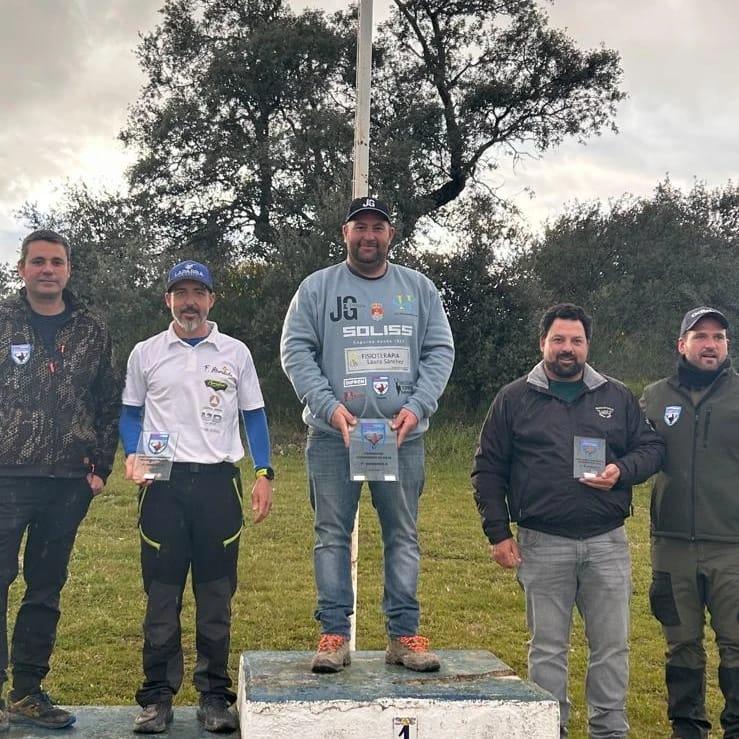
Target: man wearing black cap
column 188, row 385
column 367, row 339
column 695, row 521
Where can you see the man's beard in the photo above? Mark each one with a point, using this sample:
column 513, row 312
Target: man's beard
column 189, row 324
column 564, row 371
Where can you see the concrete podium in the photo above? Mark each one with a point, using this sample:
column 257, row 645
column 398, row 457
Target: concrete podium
column 473, row 695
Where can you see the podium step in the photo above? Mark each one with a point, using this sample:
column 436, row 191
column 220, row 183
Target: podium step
column 114, row 722
column 474, row 694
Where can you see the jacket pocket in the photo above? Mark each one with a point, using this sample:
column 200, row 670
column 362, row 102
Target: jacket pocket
column 662, row 599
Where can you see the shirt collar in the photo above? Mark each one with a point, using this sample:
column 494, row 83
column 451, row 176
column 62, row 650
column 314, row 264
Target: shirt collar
column 213, row 337
column 590, row 377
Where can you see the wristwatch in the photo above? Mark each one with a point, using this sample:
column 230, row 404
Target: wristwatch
column 267, row 472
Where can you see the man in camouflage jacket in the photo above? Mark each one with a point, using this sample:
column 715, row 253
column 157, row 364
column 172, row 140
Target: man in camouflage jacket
column 59, row 407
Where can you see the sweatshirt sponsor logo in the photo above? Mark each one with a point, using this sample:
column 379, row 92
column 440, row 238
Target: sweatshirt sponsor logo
column 377, row 311
column 604, row 411
column 405, row 304
column 394, row 329
column 355, row 381
column 346, row 308
column 351, row 395
column 378, row 359
column 380, row 385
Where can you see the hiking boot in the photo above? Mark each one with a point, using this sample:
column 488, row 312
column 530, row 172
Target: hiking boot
column 332, row 655
column 411, row 652
column 214, row 715
column 154, row 718
column 38, row 709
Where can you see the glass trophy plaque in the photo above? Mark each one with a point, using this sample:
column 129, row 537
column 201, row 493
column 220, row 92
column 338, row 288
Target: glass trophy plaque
column 373, row 451
column 154, row 455
column 589, row 457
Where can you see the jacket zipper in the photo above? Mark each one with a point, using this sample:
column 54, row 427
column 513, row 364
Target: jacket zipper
column 705, row 428
column 696, row 423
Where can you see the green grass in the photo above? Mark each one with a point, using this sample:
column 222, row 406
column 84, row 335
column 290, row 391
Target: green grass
column 467, row 601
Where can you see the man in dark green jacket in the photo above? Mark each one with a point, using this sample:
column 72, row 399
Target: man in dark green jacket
column 695, row 521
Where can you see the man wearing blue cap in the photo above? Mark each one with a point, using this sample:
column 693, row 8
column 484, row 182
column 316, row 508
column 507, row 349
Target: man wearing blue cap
column 192, row 382
column 695, row 521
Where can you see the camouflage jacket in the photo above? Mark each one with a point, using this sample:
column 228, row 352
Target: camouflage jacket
column 58, row 410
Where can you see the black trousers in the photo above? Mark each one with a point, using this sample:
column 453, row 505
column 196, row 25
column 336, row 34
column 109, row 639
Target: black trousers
column 51, row 510
column 194, row 520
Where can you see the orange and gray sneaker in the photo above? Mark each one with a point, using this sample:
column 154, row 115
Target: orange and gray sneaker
column 412, row 652
column 332, row 655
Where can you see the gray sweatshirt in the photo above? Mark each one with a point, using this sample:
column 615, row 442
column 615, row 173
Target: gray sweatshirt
column 375, row 345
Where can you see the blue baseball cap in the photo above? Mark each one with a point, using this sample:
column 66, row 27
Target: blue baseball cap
column 189, row 271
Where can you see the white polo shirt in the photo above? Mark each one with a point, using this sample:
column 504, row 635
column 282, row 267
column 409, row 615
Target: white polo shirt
column 195, row 391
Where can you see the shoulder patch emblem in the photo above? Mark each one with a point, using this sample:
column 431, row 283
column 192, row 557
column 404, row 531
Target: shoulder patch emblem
column 672, row 414
column 604, row 411
column 20, row 353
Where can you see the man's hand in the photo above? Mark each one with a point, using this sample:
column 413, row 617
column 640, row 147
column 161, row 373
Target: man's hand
column 403, row 424
column 506, row 553
column 96, row 483
column 605, row 479
column 342, row 420
column 130, row 461
column 261, row 499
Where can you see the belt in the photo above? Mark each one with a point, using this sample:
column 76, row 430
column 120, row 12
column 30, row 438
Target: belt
column 203, row 469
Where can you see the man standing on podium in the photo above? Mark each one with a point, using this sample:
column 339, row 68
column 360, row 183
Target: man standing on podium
column 367, row 338
column 194, row 382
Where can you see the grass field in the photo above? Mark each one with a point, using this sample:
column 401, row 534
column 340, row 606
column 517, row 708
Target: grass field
column 467, row 601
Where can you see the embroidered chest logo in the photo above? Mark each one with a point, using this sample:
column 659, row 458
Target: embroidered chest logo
column 20, row 353
column 672, row 414
column 604, row 411
column 377, row 312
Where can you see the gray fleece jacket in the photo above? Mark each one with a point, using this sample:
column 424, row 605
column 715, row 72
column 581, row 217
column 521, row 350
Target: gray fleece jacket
column 375, row 345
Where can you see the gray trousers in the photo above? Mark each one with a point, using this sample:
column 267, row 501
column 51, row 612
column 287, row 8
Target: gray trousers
column 593, row 574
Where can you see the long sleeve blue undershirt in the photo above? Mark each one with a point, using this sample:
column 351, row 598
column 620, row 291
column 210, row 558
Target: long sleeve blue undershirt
column 255, row 425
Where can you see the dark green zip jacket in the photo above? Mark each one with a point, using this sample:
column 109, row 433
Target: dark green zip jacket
column 58, row 409
column 696, row 495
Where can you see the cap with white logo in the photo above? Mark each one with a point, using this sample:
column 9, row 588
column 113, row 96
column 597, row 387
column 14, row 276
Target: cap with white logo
column 189, row 271
column 693, row 316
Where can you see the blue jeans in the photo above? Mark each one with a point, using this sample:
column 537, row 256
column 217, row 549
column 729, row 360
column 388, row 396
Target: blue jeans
column 335, row 498
column 593, row 574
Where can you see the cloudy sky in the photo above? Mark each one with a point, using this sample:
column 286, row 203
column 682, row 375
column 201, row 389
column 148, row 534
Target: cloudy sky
column 68, row 73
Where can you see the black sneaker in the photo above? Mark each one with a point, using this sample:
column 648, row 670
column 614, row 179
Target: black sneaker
column 214, row 715
column 154, row 718
column 38, row 709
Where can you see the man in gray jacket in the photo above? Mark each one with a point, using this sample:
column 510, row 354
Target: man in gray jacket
column 695, row 521
column 367, row 338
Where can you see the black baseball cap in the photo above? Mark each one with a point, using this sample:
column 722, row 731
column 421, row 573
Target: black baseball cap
column 693, row 316
column 373, row 205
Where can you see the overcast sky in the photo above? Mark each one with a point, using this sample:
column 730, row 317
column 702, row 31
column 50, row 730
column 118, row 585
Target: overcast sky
column 68, row 73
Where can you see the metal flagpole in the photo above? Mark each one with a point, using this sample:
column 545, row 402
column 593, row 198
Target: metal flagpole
column 360, row 189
